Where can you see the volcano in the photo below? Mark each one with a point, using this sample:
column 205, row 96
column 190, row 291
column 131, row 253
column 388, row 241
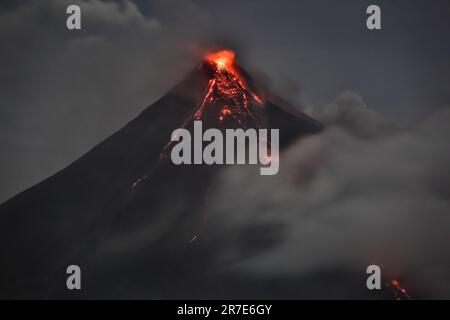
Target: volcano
column 131, row 219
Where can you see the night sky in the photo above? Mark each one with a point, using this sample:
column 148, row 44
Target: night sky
column 384, row 96
column 63, row 92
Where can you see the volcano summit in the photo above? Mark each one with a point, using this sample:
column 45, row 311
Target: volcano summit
column 227, row 87
column 130, row 218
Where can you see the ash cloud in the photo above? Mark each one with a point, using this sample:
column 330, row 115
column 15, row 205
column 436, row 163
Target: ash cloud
column 65, row 91
column 365, row 191
column 362, row 192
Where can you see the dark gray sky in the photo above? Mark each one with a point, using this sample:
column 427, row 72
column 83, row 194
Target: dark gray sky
column 325, row 47
column 63, row 92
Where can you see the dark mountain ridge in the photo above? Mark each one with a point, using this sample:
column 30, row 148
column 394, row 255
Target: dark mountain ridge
column 119, row 210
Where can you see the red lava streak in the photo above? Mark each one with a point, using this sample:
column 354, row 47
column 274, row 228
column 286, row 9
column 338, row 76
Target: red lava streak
column 401, row 292
column 225, row 90
column 199, row 112
column 227, row 86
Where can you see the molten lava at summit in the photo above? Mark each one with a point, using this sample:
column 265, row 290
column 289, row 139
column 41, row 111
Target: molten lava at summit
column 227, row 93
column 143, row 208
column 227, row 87
column 223, row 59
column 226, row 97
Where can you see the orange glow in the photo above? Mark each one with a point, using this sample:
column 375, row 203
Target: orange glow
column 223, row 59
column 209, row 91
column 225, row 111
column 257, row 99
column 397, row 286
column 225, row 90
column 226, row 85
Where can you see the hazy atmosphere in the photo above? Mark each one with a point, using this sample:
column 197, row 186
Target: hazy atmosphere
column 63, row 92
column 363, row 180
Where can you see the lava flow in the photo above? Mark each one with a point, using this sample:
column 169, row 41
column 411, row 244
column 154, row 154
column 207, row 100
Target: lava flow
column 227, row 87
column 400, row 293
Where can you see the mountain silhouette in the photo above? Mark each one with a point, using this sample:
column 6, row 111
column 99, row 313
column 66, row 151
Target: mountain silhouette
column 130, row 218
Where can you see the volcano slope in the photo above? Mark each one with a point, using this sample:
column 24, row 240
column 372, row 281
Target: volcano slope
column 131, row 219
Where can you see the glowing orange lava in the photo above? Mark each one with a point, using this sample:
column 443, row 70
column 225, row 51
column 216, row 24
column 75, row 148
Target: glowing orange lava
column 401, row 291
column 226, row 89
column 227, row 86
column 223, row 59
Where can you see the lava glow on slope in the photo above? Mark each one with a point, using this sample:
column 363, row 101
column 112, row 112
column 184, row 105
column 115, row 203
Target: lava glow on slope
column 226, row 90
column 226, row 86
column 224, row 61
column 400, row 293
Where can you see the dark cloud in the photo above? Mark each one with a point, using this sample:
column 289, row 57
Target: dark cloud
column 365, row 191
column 65, row 91
column 325, row 47
column 349, row 112
column 349, row 197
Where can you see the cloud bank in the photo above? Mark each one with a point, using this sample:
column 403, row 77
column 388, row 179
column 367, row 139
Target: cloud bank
column 362, row 192
column 65, row 91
